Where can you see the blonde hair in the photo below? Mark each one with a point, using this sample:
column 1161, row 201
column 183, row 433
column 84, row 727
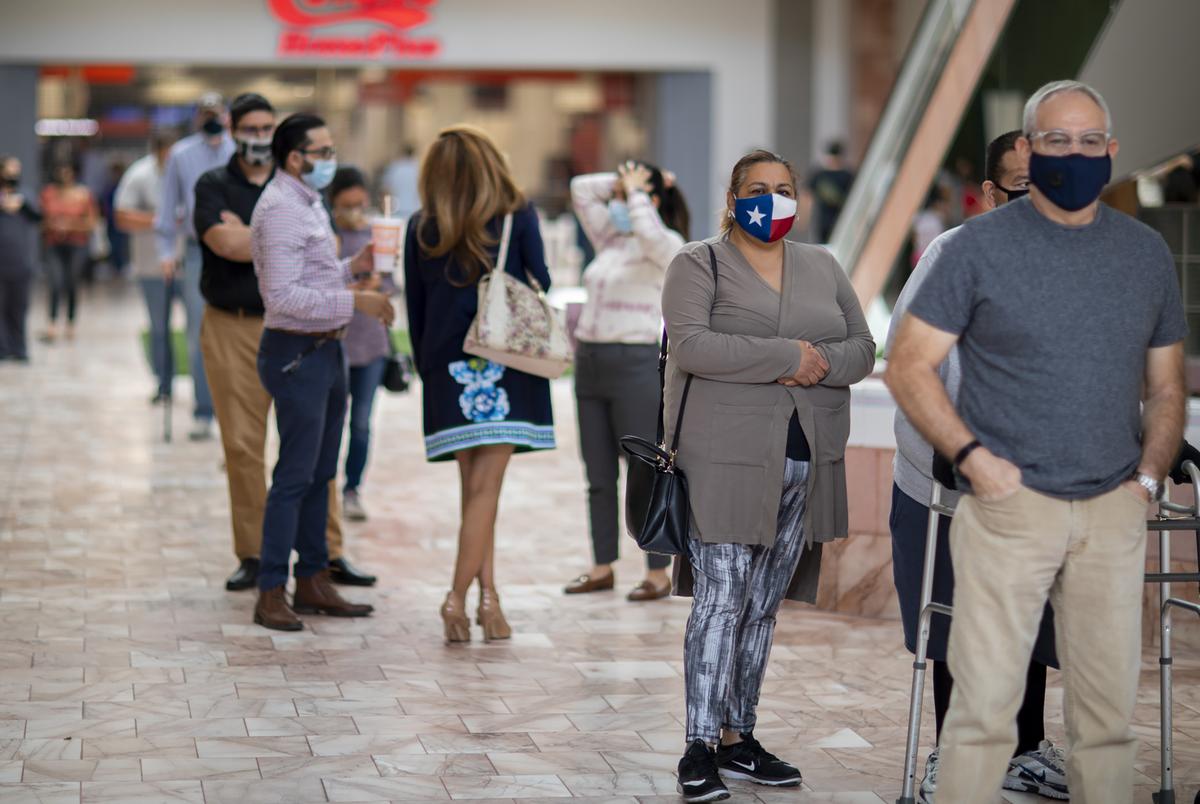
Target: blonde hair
column 464, row 184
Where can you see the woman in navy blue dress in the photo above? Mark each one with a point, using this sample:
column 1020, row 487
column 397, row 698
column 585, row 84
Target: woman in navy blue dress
column 475, row 411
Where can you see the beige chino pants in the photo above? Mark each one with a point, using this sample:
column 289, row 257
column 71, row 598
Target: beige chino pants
column 1088, row 557
column 229, row 343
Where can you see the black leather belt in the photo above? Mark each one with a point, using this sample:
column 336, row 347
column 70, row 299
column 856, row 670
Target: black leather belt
column 240, row 312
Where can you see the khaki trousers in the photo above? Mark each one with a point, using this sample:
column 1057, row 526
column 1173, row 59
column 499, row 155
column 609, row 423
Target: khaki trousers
column 230, row 345
column 1088, row 557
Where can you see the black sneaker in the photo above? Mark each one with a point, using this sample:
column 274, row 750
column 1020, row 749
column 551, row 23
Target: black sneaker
column 698, row 777
column 749, row 760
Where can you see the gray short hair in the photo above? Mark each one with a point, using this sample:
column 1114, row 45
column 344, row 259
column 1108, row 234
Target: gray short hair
column 1058, row 88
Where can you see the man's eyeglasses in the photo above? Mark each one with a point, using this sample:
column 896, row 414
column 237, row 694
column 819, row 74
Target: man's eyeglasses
column 328, row 152
column 1057, row 142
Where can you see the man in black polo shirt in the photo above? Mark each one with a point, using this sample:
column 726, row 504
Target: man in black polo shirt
column 229, row 336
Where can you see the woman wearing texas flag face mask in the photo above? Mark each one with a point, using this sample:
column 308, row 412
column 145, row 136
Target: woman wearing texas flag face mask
column 773, row 336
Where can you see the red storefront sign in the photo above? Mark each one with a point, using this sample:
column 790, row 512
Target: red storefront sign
column 387, row 23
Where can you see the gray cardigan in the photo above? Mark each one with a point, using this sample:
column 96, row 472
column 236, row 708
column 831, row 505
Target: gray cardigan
column 737, row 343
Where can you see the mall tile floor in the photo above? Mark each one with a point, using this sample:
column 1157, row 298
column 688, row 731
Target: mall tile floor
column 128, row 674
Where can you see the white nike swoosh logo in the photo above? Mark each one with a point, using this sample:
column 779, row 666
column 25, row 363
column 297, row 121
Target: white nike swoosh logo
column 749, row 767
column 694, row 784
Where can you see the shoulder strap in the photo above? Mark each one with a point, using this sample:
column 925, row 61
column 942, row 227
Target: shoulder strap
column 505, row 236
column 662, row 372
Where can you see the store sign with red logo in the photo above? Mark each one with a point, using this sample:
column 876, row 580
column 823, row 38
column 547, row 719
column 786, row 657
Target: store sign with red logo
column 354, row 29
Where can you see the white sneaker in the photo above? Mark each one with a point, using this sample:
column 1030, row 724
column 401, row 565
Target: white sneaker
column 929, row 783
column 202, row 430
column 1042, row 771
column 352, row 507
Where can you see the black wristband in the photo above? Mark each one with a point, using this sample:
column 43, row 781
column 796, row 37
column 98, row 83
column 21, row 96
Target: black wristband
column 964, row 452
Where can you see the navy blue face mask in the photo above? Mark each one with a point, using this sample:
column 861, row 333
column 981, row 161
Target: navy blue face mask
column 1070, row 182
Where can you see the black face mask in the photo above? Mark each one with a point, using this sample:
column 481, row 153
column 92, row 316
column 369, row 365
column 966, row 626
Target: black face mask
column 11, row 183
column 212, row 127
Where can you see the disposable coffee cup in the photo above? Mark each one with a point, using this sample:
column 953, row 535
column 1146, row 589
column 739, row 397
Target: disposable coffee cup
column 385, row 237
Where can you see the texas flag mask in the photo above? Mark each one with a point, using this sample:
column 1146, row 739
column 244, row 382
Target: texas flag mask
column 767, row 217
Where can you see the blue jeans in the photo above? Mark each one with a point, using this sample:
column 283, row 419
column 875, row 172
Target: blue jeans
column 310, row 409
column 154, row 291
column 364, row 381
column 188, row 286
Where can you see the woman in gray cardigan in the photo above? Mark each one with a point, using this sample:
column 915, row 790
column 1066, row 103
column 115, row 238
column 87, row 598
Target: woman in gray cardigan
column 773, row 341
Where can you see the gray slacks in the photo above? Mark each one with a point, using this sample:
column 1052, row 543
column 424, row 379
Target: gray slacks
column 738, row 589
column 616, row 394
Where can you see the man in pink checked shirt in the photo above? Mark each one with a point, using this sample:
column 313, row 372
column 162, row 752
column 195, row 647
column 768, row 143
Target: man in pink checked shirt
column 309, row 300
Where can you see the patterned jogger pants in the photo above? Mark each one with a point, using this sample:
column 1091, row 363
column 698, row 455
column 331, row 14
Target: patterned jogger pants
column 738, row 589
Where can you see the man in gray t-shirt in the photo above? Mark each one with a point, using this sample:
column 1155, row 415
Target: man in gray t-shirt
column 1069, row 328
column 1037, row 764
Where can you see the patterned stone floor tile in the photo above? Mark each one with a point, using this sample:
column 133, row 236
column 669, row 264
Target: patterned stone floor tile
column 128, row 674
column 184, row 792
column 392, row 788
column 40, row 793
column 520, row 786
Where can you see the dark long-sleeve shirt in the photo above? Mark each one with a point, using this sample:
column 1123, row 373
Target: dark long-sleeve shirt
column 440, row 313
column 18, row 241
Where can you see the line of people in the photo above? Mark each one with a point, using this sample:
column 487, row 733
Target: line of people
column 1037, row 347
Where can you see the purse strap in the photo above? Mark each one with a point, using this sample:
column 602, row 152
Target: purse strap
column 502, row 257
column 505, row 236
column 687, row 385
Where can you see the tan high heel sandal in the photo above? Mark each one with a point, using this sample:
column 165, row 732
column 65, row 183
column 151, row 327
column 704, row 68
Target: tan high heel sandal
column 455, row 620
column 491, row 617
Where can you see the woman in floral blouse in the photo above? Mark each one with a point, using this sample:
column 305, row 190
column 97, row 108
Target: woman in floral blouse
column 475, row 411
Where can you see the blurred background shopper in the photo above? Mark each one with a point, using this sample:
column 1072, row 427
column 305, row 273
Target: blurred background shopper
column 367, row 346
column 636, row 219
column 135, row 206
column 70, row 215
column 19, row 220
column 209, row 147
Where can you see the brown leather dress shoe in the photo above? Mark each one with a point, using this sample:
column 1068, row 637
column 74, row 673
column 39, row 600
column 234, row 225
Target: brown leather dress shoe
column 272, row 611
column 317, row 595
column 648, row 591
column 586, row 583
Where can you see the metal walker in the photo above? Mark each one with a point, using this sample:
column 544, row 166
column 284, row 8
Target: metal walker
column 1171, row 517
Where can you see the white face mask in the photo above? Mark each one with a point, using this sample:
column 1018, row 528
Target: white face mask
column 254, row 151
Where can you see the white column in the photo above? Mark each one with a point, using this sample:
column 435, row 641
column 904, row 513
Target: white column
column 831, row 74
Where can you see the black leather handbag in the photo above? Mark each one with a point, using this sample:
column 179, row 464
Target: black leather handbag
column 657, row 512
column 397, row 372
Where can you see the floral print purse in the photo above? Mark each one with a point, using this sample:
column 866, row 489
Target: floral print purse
column 515, row 325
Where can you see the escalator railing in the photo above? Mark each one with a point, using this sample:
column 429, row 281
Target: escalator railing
column 949, row 51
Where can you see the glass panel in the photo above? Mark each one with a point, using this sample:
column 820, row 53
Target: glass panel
column 1189, row 281
column 1193, row 337
column 1168, row 221
column 1193, row 230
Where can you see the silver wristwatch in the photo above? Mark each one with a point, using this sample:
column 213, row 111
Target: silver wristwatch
column 1152, row 486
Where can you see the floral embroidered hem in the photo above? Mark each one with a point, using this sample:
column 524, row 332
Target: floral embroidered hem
column 526, row 437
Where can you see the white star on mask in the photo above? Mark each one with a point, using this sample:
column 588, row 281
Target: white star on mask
column 756, row 217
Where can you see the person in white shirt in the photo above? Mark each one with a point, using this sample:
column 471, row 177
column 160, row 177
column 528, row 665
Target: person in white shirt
column 136, row 203
column 400, row 182
column 636, row 219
